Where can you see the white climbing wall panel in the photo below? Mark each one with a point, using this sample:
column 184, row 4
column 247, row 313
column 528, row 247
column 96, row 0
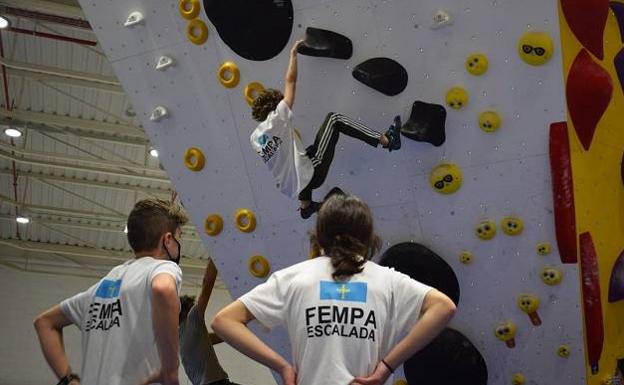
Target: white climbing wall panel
column 504, row 173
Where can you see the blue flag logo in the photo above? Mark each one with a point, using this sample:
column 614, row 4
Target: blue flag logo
column 344, row 291
column 108, row 289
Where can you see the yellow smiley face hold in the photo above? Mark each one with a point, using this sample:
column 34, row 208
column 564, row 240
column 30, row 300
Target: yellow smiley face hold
column 457, row 97
column 486, row 229
column 446, row 178
column 477, row 64
column 465, row 257
column 489, row 121
column 535, row 48
column 551, row 276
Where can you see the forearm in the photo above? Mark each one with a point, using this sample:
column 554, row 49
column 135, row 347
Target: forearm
column 53, row 349
column 210, row 277
column 244, row 340
column 291, row 72
column 432, row 322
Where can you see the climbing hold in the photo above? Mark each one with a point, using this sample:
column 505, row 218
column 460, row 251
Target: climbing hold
column 255, row 30
column 229, row 74
column 197, row 31
column 189, row 9
column 543, row 248
column 213, row 225
column 529, row 303
column 441, row 19
column 446, row 178
column 426, row 123
column 563, row 351
column 134, row 18
column 518, row 379
column 551, row 276
column 592, row 301
column 164, row 62
column 449, row 359
column 506, row 331
column 251, row 92
column 563, row 192
column 486, row 229
column 587, row 20
column 588, row 91
column 159, row 113
column 382, row 74
column 535, row 48
column 477, row 64
column 423, row 265
column 400, row 381
column 245, row 220
column 616, row 282
column 512, row 225
column 194, row 159
column 457, row 97
column 618, row 10
column 618, row 62
column 489, row 121
column 258, row 266
column 323, row 43
column 465, row 257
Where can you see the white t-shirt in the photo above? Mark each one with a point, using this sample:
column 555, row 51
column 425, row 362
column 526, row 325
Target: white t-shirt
column 282, row 151
column 338, row 330
column 115, row 319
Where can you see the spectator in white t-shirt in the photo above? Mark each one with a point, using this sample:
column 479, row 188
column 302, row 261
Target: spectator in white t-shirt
column 298, row 170
column 128, row 319
column 349, row 320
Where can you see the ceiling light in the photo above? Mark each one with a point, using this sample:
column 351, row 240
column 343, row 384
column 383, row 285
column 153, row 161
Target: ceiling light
column 153, row 152
column 4, row 22
column 23, row 220
column 12, row 132
column 126, row 229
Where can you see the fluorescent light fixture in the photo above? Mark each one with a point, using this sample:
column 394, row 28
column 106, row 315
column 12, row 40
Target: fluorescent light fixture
column 12, row 132
column 153, row 152
column 126, row 229
column 21, row 219
column 4, row 22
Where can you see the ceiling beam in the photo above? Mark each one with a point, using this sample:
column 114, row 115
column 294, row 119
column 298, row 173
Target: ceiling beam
column 105, row 164
column 100, row 170
column 84, row 253
column 59, row 72
column 51, row 78
column 120, row 130
column 111, row 227
column 46, row 6
column 110, row 138
column 93, row 183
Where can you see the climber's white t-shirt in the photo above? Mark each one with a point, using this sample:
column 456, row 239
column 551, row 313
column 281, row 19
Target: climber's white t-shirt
column 338, row 330
column 281, row 150
column 115, row 319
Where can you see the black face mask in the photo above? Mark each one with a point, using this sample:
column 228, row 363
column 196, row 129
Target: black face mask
column 177, row 259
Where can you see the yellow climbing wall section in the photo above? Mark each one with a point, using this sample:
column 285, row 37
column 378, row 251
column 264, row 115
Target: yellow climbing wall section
column 599, row 192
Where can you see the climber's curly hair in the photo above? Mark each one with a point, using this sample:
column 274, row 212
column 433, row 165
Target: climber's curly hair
column 264, row 103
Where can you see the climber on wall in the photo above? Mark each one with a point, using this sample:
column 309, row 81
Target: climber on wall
column 298, row 171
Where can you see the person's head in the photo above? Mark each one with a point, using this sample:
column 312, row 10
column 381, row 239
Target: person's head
column 264, row 103
column 345, row 233
column 154, row 228
column 186, row 303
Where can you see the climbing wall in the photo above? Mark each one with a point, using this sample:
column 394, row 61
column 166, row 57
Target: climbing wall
column 499, row 166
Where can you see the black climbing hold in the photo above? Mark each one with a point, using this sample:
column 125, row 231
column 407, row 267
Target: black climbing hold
column 423, row 265
column 616, row 282
column 324, row 43
column 426, row 123
column 382, row 74
column 449, row 359
column 256, row 30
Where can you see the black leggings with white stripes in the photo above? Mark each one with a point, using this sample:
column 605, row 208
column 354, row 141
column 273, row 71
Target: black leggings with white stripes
column 322, row 151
